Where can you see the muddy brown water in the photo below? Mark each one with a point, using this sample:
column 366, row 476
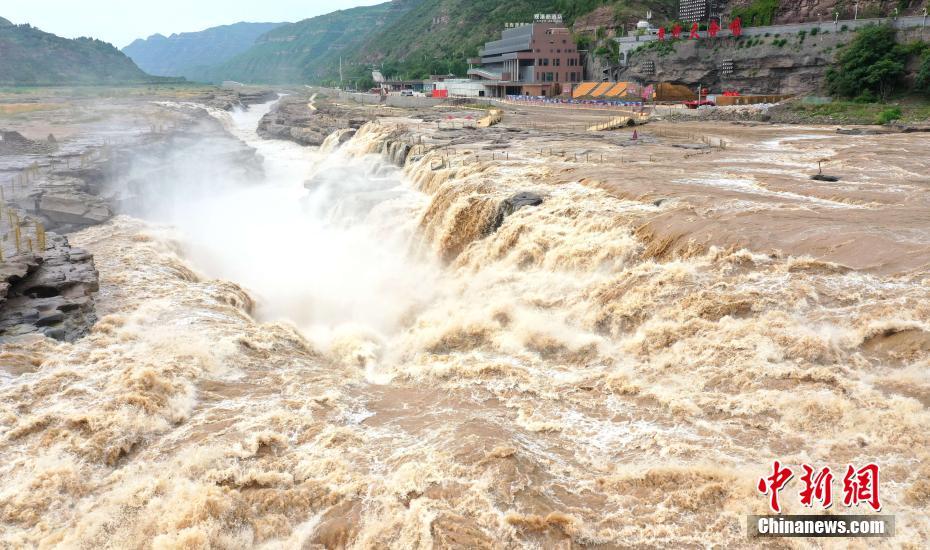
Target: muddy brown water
column 605, row 370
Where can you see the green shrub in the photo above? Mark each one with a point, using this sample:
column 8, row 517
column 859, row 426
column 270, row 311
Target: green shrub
column 888, row 115
column 872, row 61
column 758, row 14
column 814, row 31
column 583, row 41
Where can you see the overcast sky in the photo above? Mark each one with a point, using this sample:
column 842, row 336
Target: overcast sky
column 120, row 22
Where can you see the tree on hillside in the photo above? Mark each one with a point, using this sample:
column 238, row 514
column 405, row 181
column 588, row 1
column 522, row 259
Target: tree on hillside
column 873, row 63
column 883, row 76
column 922, row 81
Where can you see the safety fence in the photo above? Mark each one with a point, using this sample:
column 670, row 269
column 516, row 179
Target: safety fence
column 18, row 236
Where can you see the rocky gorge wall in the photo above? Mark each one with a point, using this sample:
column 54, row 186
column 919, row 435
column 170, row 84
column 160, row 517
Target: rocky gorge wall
column 47, row 286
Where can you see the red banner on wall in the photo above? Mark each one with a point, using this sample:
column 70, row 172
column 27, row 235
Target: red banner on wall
column 736, row 27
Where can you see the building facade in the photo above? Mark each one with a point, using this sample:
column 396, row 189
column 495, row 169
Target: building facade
column 699, row 11
column 536, row 59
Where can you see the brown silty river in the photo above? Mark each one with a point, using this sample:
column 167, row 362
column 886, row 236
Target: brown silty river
column 368, row 363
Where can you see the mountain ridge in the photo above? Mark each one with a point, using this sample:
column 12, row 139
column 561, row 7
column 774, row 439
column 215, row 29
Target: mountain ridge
column 190, row 54
column 32, row 57
column 309, row 50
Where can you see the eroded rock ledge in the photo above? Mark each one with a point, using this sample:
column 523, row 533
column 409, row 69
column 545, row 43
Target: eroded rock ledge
column 292, row 119
column 48, row 293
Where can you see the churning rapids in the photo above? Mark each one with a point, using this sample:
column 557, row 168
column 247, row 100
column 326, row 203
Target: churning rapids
column 367, row 362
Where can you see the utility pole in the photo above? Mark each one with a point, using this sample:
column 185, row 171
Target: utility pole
column 856, row 13
column 340, row 72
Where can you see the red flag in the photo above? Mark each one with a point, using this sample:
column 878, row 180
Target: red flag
column 737, row 27
column 676, row 31
column 714, row 29
column 661, row 33
column 694, row 31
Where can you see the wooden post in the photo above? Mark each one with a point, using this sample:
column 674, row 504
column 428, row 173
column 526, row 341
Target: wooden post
column 18, row 235
column 40, row 236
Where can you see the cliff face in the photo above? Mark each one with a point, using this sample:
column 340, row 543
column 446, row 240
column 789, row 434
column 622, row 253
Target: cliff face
column 778, row 64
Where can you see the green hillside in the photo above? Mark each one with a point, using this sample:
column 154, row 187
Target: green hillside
column 309, row 51
column 409, row 38
column 30, row 57
column 188, row 54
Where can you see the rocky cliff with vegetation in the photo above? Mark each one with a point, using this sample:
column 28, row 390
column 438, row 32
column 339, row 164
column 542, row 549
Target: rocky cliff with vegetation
column 30, row 57
column 767, row 12
column 795, row 63
column 192, row 54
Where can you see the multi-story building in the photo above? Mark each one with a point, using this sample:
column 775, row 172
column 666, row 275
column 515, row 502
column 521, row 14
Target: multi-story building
column 538, row 59
column 698, row 11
